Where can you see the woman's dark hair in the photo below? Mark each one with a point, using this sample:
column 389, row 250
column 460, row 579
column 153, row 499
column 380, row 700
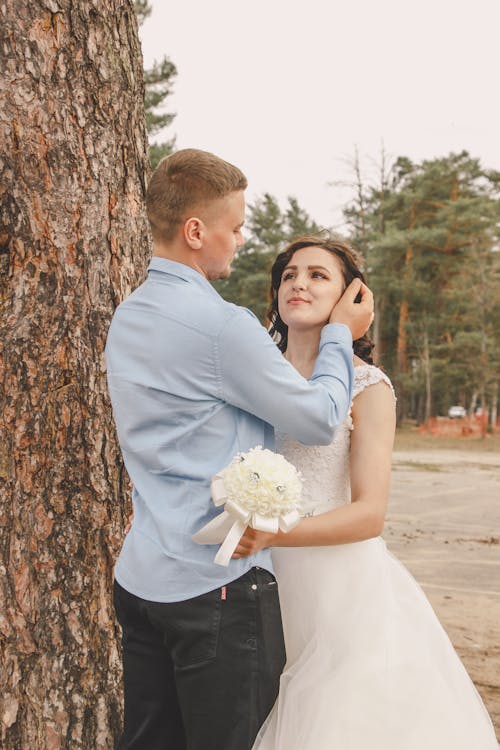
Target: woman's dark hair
column 351, row 264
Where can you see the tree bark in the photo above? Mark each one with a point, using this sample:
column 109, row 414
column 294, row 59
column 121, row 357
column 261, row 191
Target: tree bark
column 73, row 243
column 426, row 363
column 377, row 330
column 402, row 340
column 494, row 406
column 402, row 345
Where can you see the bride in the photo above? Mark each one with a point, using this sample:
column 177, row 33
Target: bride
column 368, row 664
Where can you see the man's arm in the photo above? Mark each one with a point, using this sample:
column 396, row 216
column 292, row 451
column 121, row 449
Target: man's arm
column 256, row 377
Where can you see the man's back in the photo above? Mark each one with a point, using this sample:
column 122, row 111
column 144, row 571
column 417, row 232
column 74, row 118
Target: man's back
column 174, row 428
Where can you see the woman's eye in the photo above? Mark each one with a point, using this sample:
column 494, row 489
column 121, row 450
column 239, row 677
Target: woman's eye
column 287, row 276
column 318, row 275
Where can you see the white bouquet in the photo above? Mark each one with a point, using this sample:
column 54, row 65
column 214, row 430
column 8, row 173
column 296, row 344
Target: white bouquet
column 260, row 489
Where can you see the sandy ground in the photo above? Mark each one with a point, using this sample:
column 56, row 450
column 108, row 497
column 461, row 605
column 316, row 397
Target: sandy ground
column 444, row 525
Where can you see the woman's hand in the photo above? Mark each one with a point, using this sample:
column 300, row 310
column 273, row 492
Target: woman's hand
column 253, row 541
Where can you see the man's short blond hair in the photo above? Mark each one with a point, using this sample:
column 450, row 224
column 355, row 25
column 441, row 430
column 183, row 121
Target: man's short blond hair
column 185, row 181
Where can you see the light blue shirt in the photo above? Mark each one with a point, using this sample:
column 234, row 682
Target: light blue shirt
column 194, row 380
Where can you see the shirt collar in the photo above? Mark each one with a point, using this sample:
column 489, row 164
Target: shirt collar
column 181, row 270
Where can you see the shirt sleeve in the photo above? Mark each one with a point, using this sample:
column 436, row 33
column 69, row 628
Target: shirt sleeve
column 255, row 376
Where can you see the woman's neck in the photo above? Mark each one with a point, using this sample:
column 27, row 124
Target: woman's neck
column 302, row 349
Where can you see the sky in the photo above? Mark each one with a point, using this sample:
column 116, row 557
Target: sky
column 288, row 90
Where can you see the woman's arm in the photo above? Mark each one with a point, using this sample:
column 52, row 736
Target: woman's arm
column 374, row 419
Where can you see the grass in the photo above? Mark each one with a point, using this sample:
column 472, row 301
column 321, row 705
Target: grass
column 419, row 466
column 408, row 438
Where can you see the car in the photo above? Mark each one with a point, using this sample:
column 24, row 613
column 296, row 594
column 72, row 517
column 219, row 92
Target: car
column 457, row 412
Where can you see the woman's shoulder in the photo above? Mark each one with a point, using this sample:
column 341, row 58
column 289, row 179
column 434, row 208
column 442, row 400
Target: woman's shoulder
column 366, row 375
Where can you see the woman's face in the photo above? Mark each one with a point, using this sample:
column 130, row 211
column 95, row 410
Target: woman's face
column 311, row 285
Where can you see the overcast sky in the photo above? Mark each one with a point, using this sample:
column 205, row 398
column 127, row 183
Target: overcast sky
column 287, row 89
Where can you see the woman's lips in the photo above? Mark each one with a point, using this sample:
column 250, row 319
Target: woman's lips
column 297, row 301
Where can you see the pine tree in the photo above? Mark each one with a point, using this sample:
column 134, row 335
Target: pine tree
column 74, row 242
column 425, row 229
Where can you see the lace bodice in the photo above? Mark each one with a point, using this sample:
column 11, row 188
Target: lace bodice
column 325, row 468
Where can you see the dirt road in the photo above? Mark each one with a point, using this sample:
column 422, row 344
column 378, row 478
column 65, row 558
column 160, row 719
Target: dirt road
column 444, row 525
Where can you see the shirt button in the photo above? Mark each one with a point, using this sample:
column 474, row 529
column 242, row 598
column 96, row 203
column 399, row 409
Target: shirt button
column 254, row 586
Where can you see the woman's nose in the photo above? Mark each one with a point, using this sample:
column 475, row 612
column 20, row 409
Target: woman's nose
column 299, row 283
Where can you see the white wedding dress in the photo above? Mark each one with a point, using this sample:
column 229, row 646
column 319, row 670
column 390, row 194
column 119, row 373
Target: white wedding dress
column 369, row 666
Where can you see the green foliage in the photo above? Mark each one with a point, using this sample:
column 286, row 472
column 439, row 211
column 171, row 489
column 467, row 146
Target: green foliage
column 158, row 82
column 143, row 10
column 431, row 235
column 158, row 150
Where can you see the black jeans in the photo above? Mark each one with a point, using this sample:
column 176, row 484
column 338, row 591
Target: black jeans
column 201, row 674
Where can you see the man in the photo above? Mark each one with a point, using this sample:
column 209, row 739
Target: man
column 194, row 380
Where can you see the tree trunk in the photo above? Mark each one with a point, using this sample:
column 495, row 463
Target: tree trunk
column 402, row 344
column 402, row 347
column 73, row 243
column 473, row 402
column 402, row 340
column 377, row 330
column 426, row 362
column 494, row 406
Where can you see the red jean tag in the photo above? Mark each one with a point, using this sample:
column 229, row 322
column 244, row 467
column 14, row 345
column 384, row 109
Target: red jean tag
column 223, row 593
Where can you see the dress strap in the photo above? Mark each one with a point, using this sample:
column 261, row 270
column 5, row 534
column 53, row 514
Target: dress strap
column 366, row 375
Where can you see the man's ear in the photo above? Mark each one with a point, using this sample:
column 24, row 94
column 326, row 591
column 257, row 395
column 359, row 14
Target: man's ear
column 193, row 232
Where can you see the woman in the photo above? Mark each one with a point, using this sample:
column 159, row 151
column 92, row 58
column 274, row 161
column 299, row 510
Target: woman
column 368, row 664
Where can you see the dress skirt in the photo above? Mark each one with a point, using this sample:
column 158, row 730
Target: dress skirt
column 369, row 666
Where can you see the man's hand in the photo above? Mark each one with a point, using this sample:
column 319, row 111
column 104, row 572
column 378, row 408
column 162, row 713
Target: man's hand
column 357, row 315
column 252, row 542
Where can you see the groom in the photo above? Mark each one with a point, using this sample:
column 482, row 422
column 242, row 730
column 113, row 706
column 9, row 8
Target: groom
column 194, row 380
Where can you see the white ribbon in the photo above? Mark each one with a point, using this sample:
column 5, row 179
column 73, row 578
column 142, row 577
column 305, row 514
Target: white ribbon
column 230, row 525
